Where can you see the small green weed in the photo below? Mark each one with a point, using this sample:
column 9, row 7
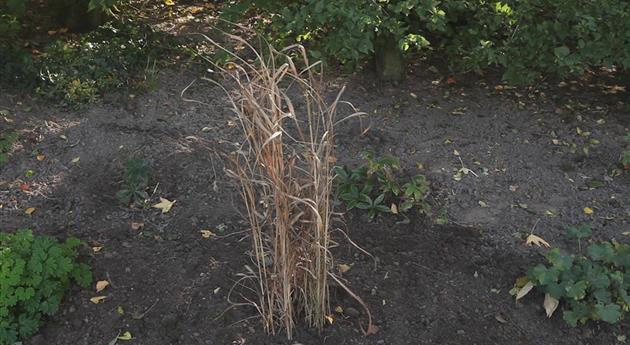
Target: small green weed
column 374, row 186
column 592, row 285
column 35, row 273
column 6, row 143
column 135, row 183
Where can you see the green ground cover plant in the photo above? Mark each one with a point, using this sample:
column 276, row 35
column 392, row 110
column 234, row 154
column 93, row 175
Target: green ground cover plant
column 6, row 142
column 136, row 179
column 35, row 274
column 591, row 284
column 376, row 188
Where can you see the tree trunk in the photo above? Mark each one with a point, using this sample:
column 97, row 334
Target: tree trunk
column 388, row 58
column 74, row 15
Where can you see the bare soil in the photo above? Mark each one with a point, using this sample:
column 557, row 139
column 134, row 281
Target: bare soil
column 427, row 283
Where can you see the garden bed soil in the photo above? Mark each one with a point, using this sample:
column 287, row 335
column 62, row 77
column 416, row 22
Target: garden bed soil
column 425, row 284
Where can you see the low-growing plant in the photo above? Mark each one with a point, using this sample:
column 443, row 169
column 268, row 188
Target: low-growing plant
column 592, row 285
column 77, row 71
column 136, row 180
column 374, row 186
column 6, row 142
column 35, row 273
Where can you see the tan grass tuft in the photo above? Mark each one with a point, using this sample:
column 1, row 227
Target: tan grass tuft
column 284, row 172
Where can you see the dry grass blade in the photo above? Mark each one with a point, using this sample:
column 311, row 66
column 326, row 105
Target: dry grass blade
column 285, row 177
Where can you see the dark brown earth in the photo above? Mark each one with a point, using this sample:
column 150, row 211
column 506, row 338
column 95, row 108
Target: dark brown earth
column 432, row 284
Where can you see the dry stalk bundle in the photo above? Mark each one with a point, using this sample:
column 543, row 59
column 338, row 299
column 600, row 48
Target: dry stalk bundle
column 283, row 169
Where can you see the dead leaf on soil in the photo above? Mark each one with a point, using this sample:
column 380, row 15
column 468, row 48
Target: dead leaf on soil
column 207, row 233
column 125, row 336
column 372, row 329
column 97, row 299
column 550, row 304
column 136, row 226
column 164, row 205
column 343, row 268
column 500, row 318
column 524, row 290
column 588, row 211
column 394, row 209
column 329, row 319
column 101, row 285
column 75, row 160
column 29, row 210
column 96, row 249
column 539, row 241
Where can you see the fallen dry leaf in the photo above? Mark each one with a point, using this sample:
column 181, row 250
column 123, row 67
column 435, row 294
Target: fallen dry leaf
column 164, row 205
column 372, row 329
column 343, row 268
column 206, row 233
column 97, row 299
column 25, row 187
column 394, row 209
column 29, row 210
column 136, row 226
column 96, row 249
column 524, row 290
column 550, row 304
column 101, row 285
column 539, row 241
column 75, row 160
column 329, row 319
column 588, row 210
column 125, row 336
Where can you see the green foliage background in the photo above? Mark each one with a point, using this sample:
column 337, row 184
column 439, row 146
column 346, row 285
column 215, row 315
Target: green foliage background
column 529, row 39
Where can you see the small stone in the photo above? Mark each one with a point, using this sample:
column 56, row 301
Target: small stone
column 352, row 312
column 38, row 340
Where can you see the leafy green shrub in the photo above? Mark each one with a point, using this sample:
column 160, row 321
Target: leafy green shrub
column 529, row 39
column 35, row 273
column 135, row 182
column 346, row 30
column 6, row 142
column 592, row 286
column 374, row 187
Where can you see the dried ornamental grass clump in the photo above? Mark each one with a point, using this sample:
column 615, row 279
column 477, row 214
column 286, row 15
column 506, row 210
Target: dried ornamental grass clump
column 284, row 172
